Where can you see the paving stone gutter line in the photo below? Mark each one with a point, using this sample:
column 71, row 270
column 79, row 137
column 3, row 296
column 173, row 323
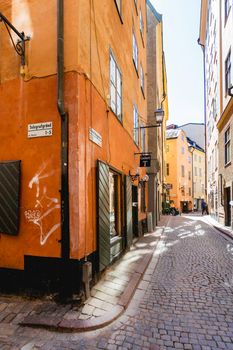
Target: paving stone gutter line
column 80, row 325
column 222, row 229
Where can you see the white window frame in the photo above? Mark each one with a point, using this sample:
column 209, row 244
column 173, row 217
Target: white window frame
column 141, row 23
column 115, row 87
column 228, row 72
column 227, row 146
column 135, row 52
column 142, row 79
column 136, row 125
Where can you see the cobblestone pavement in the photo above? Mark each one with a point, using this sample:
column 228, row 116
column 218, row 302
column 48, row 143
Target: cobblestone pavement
column 185, row 300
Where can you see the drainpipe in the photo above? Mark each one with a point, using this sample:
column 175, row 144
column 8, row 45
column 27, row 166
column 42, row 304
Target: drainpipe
column 65, row 232
column 204, row 67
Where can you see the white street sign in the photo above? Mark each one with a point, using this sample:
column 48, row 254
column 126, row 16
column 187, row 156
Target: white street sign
column 40, row 129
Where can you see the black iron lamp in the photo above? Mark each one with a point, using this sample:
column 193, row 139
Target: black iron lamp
column 159, row 115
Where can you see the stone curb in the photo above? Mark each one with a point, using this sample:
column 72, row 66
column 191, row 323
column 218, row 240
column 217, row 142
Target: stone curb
column 99, row 322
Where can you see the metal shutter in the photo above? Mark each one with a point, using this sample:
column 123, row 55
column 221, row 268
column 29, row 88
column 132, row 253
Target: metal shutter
column 103, row 215
column 9, row 197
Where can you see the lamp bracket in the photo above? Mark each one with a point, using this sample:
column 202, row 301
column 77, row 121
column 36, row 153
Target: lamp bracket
column 20, row 45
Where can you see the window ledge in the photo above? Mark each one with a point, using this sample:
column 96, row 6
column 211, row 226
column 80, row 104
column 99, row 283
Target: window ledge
column 227, row 165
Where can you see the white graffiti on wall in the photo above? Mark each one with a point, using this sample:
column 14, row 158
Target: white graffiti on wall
column 44, row 205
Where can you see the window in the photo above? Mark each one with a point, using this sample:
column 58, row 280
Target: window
column 214, row 109
column 199, row 159
column 202, row 188
column 182, row 150
column 136, row 125
column 190, row 193
column 182, row 170
column 228, row 72
column 135, row 52
column 189, row 159
column 227, row 9
column 143, row 139
column 114, row 203
column 227, row 139
column 167, row 169
column 200, row 173
column 195, row 171
column 115, row 88
column 141, row 23
column 142, row 79
column 182, row 137
column 119, row 6
column 189, row 175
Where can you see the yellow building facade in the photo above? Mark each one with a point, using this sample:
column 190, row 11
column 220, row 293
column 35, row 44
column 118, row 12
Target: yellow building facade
column 179, row 170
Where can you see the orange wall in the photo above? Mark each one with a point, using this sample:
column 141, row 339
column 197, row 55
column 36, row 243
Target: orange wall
column 32, row 98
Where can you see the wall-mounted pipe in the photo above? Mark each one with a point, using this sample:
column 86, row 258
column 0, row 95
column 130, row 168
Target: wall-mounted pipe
column 65, row 232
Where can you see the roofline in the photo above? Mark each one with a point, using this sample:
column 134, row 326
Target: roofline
column 157, row 15
column 191, row 124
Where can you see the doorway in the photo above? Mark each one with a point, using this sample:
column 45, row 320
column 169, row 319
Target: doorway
column 135, row 210
column 227, row 207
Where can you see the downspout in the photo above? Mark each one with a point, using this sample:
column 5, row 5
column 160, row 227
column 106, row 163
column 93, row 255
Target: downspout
column 204, row 69
column 65, row 232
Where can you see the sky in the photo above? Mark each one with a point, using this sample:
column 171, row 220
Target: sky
column 184, row 59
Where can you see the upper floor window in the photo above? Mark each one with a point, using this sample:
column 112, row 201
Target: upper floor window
column 227, row 7
column 143, row 138
column 141, row 23
column 142, row 79
column 135, row 52
column 182, row 170
column 167, row 169
column 214, row 108
column 136, row 125
column 227, row 146
column 119, row 7
column 115, row 88
column 228, row 72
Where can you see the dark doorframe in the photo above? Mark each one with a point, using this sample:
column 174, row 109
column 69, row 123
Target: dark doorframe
column 227, row 207
column 135, row 210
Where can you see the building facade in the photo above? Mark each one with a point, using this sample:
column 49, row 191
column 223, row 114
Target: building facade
column 198, row 174
column 209, row 41
column 156, row 99
column 216, row 39
column 179, row 170
column 69, row 157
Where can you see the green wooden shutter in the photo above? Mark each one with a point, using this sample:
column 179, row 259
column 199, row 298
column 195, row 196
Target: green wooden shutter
column 129, row 218
column 103, row 215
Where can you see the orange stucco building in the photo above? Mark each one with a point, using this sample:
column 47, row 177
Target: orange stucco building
column 179, row 170
column 89, row 217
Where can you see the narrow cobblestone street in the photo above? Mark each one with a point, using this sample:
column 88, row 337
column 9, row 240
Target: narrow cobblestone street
column 185, row 300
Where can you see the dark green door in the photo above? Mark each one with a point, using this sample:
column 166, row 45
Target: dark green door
column 128, row 208
column 103, row 215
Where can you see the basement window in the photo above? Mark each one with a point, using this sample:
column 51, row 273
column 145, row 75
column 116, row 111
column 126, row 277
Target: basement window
column 9, row 197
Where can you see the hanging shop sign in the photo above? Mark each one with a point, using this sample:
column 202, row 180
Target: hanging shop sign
column 40, row 130
column 145, row 160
